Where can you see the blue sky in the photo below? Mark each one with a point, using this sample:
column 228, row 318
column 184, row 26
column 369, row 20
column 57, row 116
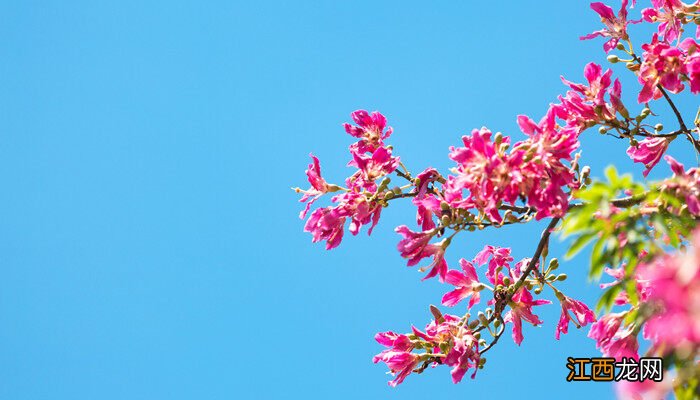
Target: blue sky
column 149, row 244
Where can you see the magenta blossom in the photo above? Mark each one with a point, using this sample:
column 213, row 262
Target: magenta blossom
column 663, row 65
column 369, row 129
column 665, row 12
column 521, row 309
column 318, row 186
column 326, row 224
column 360, row 210
column 585, row 105
column 598, row 83
column 543, row 171
column 622, row 345
column 427, row 206
column 675, row 289
column 649, row 151
column 486, row 171
column 400, row 363
column 692, row 63
column 463, row 356
column 582, row 315
column 644, row 390
column 371, row 167
column 615, row 26
column 603, row 330
column 428, row 176
column 498, row 258
column 466, row 285
column 416, row 246
column 684, row 184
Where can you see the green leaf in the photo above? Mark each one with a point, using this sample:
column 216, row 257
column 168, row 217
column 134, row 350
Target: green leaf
column 607, row 300
column 579, row 244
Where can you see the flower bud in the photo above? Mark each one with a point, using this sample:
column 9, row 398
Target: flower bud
column 445, row 220
column 498, row 138
column 538, row 290
column 497, row 323
column 389, row 195
column 602, row 130
column 659, row 127
column 473, row 324
column 620, row 46
column 506, row 281
column 444, row 206
column 632, row 66
column 561, row 277
column 585, row 174
column 645, row 112
column 560, row 295
column 553, row 264
column 612, row 58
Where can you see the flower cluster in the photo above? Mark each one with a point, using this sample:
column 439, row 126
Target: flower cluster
column 615, row 25
column 666, row 65
column 498, row 180
column 456, row 342
column 446, row 340
column 361, row 201
column 667, row 314
column 684, row 185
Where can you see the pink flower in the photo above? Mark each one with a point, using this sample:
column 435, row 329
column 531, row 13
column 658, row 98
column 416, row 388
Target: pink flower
column 675, row 288
column 622, row 345
column 585, row 105
column 370, row 130
column 371, row 167
column 684, row 184
column 543, row 171
column 466, row 285
column 442, row 331
column 663, row 65
column 427, row 207
column 428, row 176
column 326, row 224
column 400, row 363
column 692, row 63
column 521, row 309
column 318, row 186
column 665, row 12
column 615, row 26
column 644, row 390
column 582, row 315
column 416, row 246
column 598, row 83
column 603, row 330
column 359, row 209
column 463, row 356
column 649, row 152
column 394, row 341
column 485, row 171
column 498, row 258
